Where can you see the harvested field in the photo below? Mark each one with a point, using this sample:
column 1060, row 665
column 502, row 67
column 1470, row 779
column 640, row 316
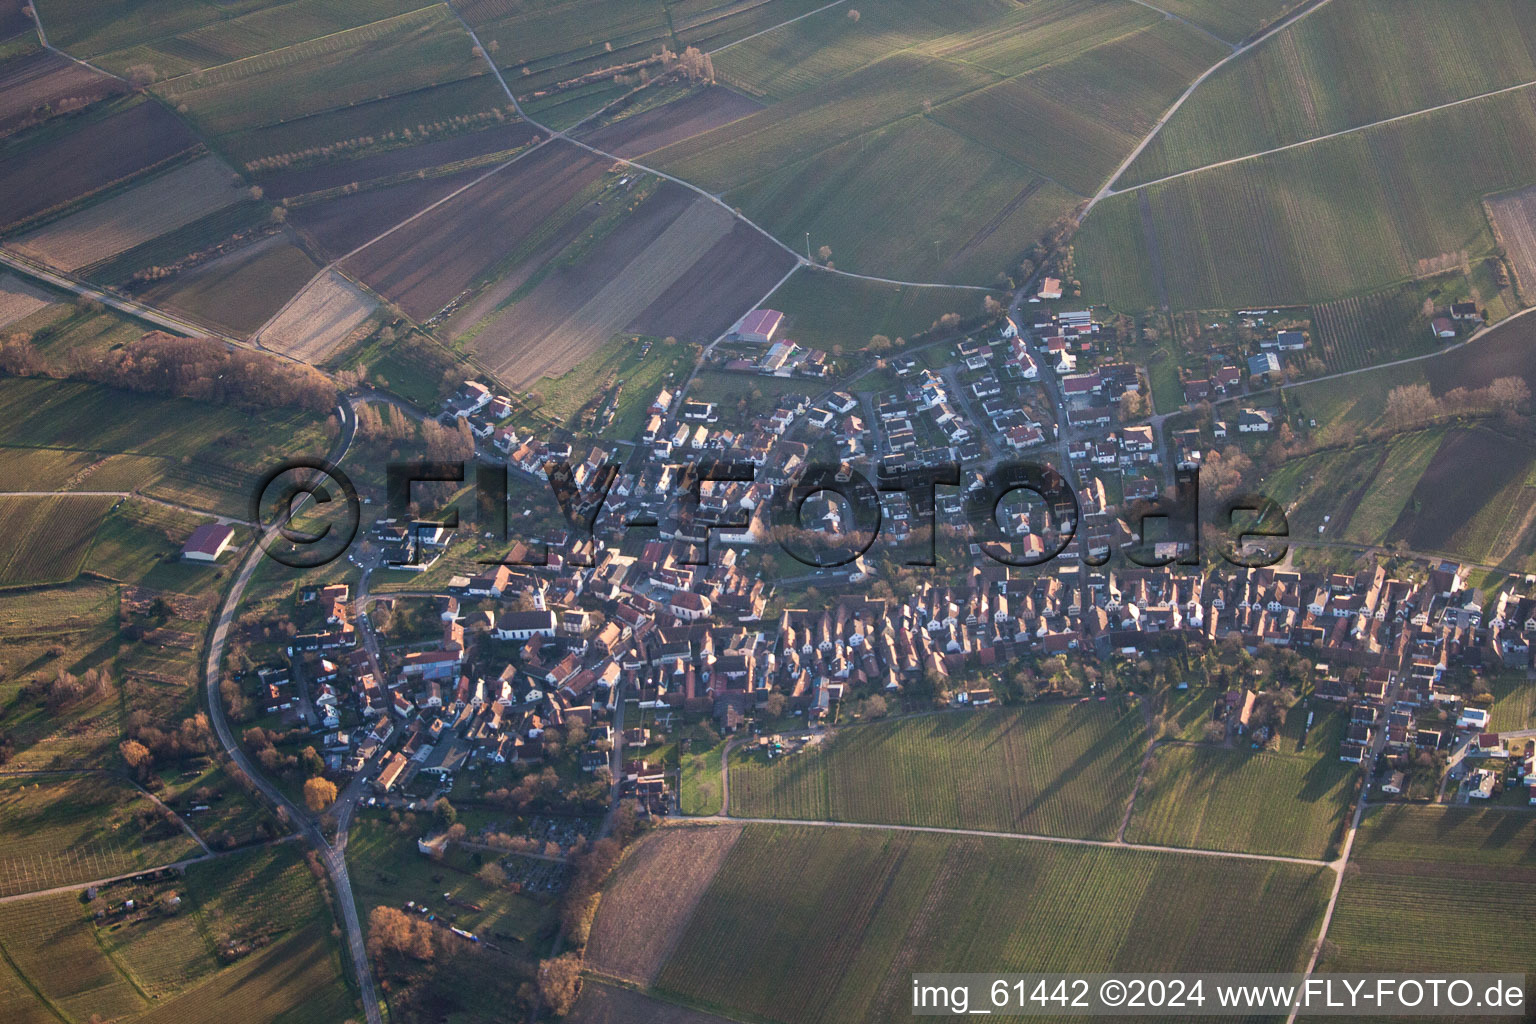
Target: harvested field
column 240, row 290
column 35, row 179
column 19, row 299
column 651, row 898
column 724, row 283
column 502, row 139
column 429, row 261
column 606, row 1004
column 165, row 203
column 42, row 84
column 1514, row 221
column 697, row 112
column 578, row 307
column 319, row 318
column 339, row 225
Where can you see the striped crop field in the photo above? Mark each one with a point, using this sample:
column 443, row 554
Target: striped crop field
column 1320, row 222
column 826, row 924
column 1430, row 864
column 1369, row 329
column 1216, row 798
column 1062, row 769
column 48, row 537
column 1350, row 63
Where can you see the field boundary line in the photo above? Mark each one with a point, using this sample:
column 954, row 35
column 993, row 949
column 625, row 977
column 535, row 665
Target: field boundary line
column 775, row 28
column 1322, row 138
column 1274, row 858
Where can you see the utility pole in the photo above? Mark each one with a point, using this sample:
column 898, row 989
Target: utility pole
column 807, row 247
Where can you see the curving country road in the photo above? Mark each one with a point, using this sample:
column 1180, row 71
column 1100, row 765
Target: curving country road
column 334, row 857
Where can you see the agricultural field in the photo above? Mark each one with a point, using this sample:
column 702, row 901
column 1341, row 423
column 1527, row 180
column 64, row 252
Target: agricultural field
column 48, row 941
column 1232, row 20
column 225, row 228
column 435, row 257
column 169, row 201
column 1365, row 330
column 1346, row 65
column 914, row 199
column 47, row 537
column 1514, row 224
column 609, row 1004
column 857, row 912
column 178, row 450
column 1473, row 499
column 825, row 310
column 572, row 396
column 1060, row 769
column 802, row 126
column 1289, row 802
column 339, row 225
column 20, row 298
column 678, row 265
column 62, row 829
column 422, row 48
column 649, row 901
column 43, row 170
column 1417, row 864
column 319, row 319
column 699, row 111
column 177, row 38
column 1514, row 703
column 1074, row 122
column 1314, row 223
column 240, row 290
column 455, row 153
column 1362, row 491
column 37, row 85
column 1349, row 405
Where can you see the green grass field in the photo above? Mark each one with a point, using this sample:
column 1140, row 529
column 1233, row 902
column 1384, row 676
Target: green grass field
column 825, row 310
column 1316, row 223
column 855, row 913
column 1514, row 702
column 1287, row 802
column 1062, row 769
column 388, row 870
column 1347, row 65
